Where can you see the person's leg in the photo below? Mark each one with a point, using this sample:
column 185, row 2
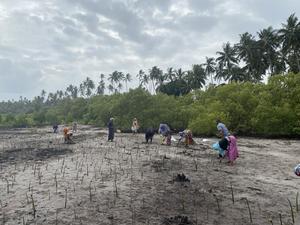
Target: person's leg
column 169, row 139
column 162, row 140
column 109, row 136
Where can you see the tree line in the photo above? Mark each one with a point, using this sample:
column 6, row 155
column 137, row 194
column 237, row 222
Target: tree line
column 247, row 108
column 241, row 65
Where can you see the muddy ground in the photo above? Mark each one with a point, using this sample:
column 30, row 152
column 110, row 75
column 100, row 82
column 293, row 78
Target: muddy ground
column 43, row 181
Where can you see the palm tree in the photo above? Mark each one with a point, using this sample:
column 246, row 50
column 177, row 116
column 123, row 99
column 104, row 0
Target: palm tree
column 245, row 49
column 75, row 92
column 60, row 94
column 69, row 90
column 140, row 76
column 89, row 86
column 170, row 75
column 269, row 43
column 127, row 79
column 120, row 86
column 160, row 79
column 279, row 63
column 115, row 78
column 210, row 68
column 226, row 60
column 196, row 77
column 179, row 74
column 101, row 88
column 101, row 85
column 52, row 98
column 82, row 89
column 155, row 75
column 250, row 52
column 120, row 78
column 145, row 81
column 290, row 37
column 43, row 95
column 72, row 91
column 219, row 74
column 239, row 75
column 111, row 88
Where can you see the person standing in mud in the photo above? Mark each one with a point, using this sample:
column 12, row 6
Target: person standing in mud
column 74, row 128
column 55, row 128
column 135, row 126
column 111, row 131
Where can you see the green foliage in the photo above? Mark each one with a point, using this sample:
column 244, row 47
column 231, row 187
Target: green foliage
column 271, row 109
column 176, row 87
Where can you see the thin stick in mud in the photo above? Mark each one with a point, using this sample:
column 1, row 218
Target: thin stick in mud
column 232, row 195
column 250, row 214
column 297, row 202
column 292, row 211
column 33, row 206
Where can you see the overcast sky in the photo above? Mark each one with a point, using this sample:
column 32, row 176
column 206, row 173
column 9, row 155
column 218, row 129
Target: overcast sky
column 49, row 44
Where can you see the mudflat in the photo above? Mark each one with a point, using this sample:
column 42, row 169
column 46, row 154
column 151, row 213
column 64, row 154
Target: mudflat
column 44, row 181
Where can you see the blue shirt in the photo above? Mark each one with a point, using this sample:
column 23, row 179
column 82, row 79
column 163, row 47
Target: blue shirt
column 221, row 127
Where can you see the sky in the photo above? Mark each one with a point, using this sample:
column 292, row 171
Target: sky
column 49, row 44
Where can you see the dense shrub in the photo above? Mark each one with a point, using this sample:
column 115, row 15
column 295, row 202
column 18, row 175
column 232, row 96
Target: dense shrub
column 271, row 109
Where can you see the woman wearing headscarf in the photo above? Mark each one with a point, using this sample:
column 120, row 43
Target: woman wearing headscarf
column 135, row 126
column 111, row 131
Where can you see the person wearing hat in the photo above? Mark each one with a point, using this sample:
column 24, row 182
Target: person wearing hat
column 111, row 131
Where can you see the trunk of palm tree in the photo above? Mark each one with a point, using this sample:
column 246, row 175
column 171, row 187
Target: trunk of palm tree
column 153, row 86
column 297, row 59
column 270, row 63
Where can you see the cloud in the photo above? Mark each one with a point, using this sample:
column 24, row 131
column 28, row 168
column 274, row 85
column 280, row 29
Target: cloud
column 50, row 44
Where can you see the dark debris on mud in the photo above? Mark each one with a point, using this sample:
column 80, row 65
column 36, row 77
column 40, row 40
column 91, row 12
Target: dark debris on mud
column 181, row 178
column 177, row 220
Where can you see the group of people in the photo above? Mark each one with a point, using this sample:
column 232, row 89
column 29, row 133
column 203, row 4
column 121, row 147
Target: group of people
column 226, row 146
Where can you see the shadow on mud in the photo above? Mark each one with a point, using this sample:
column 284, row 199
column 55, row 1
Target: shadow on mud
column 26, row 154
